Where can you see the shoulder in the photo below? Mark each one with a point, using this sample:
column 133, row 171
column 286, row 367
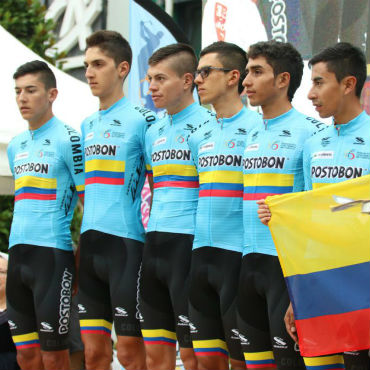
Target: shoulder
column 197, row 133
column 139, row 113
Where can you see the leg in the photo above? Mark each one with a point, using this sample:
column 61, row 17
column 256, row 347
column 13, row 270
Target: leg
column 160, row 357
column 98, row 351
column 131, row 352
column 188, row 358
column 30, row 359
column 56, row 360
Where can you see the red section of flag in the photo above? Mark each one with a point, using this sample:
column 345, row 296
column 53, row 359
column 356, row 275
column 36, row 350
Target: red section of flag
column 220, row 20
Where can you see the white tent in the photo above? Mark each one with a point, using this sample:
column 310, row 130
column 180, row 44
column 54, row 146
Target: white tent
column 73, row 104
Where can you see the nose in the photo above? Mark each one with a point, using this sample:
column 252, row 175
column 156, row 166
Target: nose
column 88, row 72
column 198, row 79
column 246, row 82
column 22, row 96
column 311, row 94
column 152, row 86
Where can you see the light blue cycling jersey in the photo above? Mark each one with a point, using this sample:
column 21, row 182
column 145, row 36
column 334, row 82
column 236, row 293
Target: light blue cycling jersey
column 273, row 164
column 340, row 153
column 175, row 178
column 115, row 169
column 217, row 148
column 47, row 165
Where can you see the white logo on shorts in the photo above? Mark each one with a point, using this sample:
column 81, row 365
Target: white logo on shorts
column 279, row 343
column 120, row 312
column 81, row 308
column 12, row 325
column 183, row 321
column 46, row 327
column 193, row 328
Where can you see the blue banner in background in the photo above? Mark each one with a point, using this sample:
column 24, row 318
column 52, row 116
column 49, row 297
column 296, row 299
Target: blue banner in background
column 150, row 29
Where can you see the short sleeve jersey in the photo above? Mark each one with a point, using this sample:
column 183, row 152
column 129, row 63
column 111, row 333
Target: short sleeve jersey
column 115, row 169
column 47, row 165
column 272, row 165
column 340, row 153
column 217, row 147
column 175, row 178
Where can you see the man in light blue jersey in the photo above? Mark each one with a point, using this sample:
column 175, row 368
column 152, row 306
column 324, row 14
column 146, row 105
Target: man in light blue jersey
column 112, row 232
column 166, row 262
column 47, row 165
column 217, row 148
column 342, row 151
column 272, row 164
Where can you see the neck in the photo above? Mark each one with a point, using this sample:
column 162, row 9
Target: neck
column 107, row 101
column 228, row 105
column 34, row 125
column 348, row 111
column 276, row 107
column 180, row 106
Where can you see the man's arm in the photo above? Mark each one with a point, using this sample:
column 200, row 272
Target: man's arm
column 263, row 211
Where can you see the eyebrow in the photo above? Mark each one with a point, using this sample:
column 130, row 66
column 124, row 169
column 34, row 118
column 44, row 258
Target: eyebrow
column 316, row 79
column 93, row 61
column 25, row 87
column 254, row 67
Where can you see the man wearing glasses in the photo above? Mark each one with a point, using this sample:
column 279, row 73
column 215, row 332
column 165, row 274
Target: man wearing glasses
column 217, row 148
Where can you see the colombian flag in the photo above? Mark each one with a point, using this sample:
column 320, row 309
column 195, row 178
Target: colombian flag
column 323, row 242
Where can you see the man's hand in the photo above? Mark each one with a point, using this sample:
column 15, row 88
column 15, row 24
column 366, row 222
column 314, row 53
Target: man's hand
column 263, row 211
column 290, row 323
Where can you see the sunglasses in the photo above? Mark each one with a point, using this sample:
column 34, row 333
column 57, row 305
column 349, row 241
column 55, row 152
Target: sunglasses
column 205, row 71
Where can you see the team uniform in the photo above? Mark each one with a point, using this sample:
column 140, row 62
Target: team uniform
column 340, row 153
column 217, row 148
column 272, row 164
column 167, row 255
column 112, row 233
column 47, row 165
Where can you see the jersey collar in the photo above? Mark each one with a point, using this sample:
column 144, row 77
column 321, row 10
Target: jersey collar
column 41, row 130
column 225, row 122
column 346, row 128
column 279, row 119
column 120, row 103
column 189, row 110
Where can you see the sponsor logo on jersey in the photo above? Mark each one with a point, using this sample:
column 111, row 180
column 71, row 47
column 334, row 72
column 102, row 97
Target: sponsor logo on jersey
column 42, row 153
column 279, row 343
column 329, row 154
column 325, row 141
column 46, row 327
column 255, row 136
column 252, row 147
column 181, row 155
column 120, row 312
column 220, row 160
column 351, row 154
column 23, row 144
column 359, row 141
column 46, row 142
column 241, row 131
column 333, row 172
column 147, row 114
column 319, row 125
column 207, row 146
column 189, row 127
column 285, row 133
column 161, row 130
column 89, row 136
column 97, row 149
column 81, row 308
column 230, row 144
column 207, row 135
column 91, row 124
column 32, row 167
column 65, row 302
column 20, row 156
column 274, row 145
column 109, row 133
column 12, row 325
column 160, row 141
column 264, row 162
column 116, row 122
column 180, row 139
column 75, row 140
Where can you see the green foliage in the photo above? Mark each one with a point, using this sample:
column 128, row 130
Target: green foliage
column 25, row 19
column 6, row 215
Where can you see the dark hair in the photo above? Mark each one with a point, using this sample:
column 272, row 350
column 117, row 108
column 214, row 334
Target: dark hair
column 231, row 57
column 282, row 57
column 111, row 43
column 343, row 59
column 39, row 68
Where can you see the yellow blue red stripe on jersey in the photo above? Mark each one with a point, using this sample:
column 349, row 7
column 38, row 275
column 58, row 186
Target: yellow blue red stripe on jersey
column 221, row 184
column 26, row 340
column 260, row 185
column 334, row 362
column 212, row 347
column 159, row 336
column 105, row 171
column 32, row 187
column 148, row 169
column 175, row 175
column 99, row 326
column 80, row 190
column 259, row 360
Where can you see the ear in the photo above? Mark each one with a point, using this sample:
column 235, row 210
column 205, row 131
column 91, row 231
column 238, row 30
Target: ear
column 188, row 81
column 52, row 94
column 234, row 77
column 123, row 69
column 283, row 79
column 349, row 84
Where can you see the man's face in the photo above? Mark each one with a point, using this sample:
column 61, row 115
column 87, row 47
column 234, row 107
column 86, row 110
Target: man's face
column 34, row 101
column 166, row 86
column 259, row 82
column 3, row 272
column 102, row 74
column 212, row 88
column 326, row 92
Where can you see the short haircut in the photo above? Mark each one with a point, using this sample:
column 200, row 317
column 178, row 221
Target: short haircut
column 112, row 44
column 231, row 57
column 39, row 68
column 344, row 59
column 282, row 57
column 183, row 56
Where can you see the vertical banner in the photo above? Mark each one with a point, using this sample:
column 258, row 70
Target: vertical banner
column 150, row 29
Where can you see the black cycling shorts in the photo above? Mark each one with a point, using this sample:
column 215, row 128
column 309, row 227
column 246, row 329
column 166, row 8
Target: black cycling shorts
column 38, row 290
column 164, row 289
column 261, row 306
column 212, row 304
column 108, row 284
